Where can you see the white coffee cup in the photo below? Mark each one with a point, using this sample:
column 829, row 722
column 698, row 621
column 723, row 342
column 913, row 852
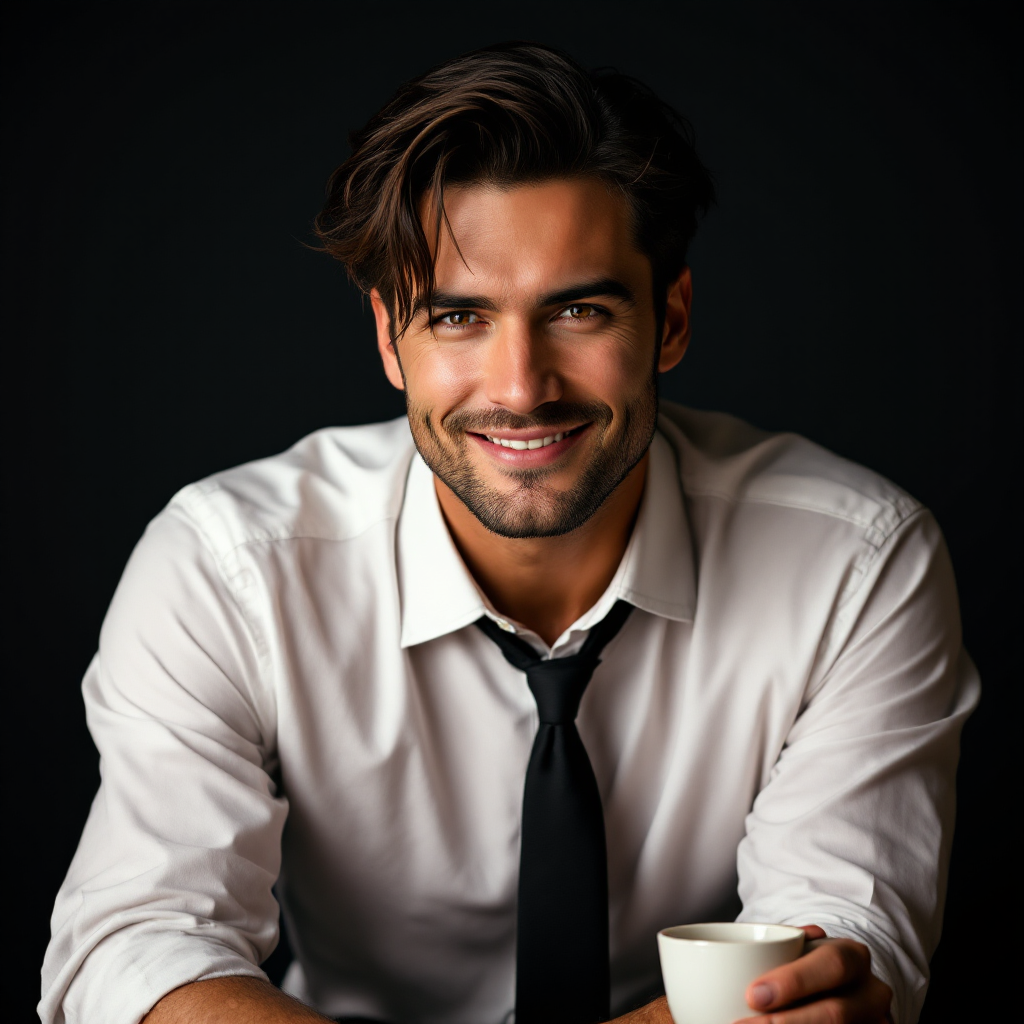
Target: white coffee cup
column 707, row 967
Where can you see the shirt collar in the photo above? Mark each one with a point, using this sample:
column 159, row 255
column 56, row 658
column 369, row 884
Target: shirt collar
column 658, row 574
column 438, row 595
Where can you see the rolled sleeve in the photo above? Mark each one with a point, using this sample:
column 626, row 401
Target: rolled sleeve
column 853, row 830
column 172, row 879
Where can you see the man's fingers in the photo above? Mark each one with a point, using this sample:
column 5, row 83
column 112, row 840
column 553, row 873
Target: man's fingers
column 868, row 1004
column 834, row 964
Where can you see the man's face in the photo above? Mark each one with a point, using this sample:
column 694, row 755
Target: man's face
column 530, row 384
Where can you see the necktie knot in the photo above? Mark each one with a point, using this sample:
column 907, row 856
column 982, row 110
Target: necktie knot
column 557, row 686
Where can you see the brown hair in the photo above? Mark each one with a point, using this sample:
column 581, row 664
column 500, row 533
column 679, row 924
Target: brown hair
column 507, row 114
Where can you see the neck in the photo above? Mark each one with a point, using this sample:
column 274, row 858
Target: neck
column 546, row 583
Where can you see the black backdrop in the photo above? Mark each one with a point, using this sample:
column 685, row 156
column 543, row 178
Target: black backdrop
column 859, row 283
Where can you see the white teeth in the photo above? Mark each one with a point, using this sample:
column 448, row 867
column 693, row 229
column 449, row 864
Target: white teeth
column 521, row 446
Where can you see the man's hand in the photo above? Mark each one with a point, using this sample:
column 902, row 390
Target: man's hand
column 831, row 984
column 226, row 1000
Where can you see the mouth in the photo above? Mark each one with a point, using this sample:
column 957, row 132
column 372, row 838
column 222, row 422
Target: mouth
column 530, row 448
column 531, row 444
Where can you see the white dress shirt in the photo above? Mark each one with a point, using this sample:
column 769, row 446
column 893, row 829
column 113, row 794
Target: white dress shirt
column 290, row 689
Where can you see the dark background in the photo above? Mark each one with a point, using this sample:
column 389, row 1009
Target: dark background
column 859, row 283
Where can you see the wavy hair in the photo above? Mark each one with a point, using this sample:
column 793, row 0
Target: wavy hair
column 509, row 114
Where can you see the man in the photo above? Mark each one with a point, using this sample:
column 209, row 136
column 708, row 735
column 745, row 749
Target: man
column 493, row 693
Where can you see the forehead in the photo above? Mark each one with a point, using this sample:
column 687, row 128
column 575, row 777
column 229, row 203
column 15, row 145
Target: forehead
column 530, row 238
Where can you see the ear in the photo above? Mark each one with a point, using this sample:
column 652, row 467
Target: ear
column 385, row 346
column 675, row 336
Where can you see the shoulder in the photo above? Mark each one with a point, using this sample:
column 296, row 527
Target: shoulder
column 334, row 484
column 722, row 457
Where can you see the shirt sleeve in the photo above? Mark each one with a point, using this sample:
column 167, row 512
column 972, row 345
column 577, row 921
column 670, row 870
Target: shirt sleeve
column 853, row 830
column 172, row 879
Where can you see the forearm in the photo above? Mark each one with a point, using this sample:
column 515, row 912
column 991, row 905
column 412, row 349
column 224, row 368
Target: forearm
column 652, row 1013
column 230, row 1001
column 253, row 1001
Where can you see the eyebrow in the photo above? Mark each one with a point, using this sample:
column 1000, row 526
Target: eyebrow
column 606, row 286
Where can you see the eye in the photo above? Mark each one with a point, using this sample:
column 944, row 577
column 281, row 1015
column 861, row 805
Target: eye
column 458, row 319
column 581, row 311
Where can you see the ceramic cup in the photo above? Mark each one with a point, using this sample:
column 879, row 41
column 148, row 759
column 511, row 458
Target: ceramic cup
column 707, row 967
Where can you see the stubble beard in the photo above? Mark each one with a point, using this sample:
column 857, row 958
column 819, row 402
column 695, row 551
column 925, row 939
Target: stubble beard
column 530, row 508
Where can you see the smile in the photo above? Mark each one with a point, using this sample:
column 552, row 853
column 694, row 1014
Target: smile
column 534, row 442
column 530, row 451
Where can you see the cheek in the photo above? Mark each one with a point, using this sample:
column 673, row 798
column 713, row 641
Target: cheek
column 615, row 365
column 439, row 378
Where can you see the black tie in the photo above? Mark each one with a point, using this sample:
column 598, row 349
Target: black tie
column 562, row 924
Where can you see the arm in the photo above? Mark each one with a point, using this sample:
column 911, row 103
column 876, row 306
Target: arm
column 853, row 829
column 172, row 879
column 225, row 999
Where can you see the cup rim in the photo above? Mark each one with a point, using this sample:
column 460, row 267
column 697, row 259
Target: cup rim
column 793, row 931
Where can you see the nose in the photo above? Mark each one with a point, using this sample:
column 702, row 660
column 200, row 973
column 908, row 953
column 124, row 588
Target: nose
column 519, row 370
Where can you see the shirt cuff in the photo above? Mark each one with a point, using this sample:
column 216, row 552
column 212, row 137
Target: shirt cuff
column 128, row 973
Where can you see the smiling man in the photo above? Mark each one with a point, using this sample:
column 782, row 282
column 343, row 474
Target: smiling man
column 531, row 385
column 494, row 692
